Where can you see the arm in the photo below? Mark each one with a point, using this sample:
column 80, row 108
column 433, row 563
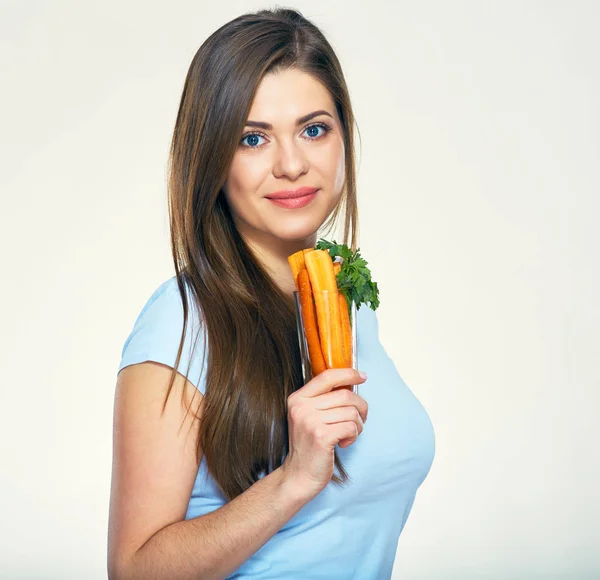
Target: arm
column 154, row 468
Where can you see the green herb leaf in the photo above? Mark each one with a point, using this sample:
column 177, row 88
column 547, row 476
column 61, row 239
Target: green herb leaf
column 354, row 278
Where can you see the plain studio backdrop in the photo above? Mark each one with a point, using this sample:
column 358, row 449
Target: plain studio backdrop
column 478, row 187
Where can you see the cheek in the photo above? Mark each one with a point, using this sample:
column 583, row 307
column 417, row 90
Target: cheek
column 244, row 179
column 244, row 174
column 339, row 172
column 333, row 167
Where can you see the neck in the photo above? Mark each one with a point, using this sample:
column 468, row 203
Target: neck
column 273, row 255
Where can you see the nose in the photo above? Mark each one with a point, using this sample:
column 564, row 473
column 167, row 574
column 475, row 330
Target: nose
column 290, row 161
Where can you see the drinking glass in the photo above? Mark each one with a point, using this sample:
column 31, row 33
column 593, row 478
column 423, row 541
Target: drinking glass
column 307, row 323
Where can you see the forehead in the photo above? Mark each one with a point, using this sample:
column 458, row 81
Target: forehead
column 283, row 96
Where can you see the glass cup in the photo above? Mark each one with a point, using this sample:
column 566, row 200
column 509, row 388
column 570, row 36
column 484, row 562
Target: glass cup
column 324, row 337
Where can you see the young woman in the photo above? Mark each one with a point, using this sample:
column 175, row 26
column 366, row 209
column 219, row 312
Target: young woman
column 225, row 465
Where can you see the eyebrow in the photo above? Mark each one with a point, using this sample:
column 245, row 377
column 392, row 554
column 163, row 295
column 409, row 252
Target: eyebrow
column 299, row 120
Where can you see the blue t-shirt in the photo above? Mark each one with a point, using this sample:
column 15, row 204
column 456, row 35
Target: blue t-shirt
column 344, row 532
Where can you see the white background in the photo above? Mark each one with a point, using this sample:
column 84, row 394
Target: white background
column 479, row 195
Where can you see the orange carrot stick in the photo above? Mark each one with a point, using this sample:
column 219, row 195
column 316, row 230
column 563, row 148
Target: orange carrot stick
column 296, row 262
column 346, row 330
column 317, row 362
column 322, row 278
column 345, row 318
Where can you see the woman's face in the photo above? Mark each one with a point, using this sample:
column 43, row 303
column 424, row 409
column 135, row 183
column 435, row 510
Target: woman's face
column 282, row 154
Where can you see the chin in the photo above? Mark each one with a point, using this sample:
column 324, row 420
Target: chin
column 295, row 230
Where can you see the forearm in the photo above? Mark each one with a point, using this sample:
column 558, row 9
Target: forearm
column 213, row 545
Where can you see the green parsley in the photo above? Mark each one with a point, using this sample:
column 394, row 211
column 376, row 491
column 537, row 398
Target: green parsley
column 354, row 278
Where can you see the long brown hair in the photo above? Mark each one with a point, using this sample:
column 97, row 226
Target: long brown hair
column 253, row 362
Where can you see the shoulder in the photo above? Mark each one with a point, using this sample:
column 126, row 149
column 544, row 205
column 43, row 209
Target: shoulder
column 157, row 330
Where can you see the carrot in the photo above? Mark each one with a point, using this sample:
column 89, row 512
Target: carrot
column 345, row 318
column 296, row 262
column 346, row 329
column 322, row 277
column 317, row 362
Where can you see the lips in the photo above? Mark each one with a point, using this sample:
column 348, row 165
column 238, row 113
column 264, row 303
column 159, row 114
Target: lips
column 290, row 194
column 294, row 202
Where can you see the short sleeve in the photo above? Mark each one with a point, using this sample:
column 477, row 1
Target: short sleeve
column 157, row 330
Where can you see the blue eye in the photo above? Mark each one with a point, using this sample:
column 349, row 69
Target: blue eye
column 310, row 127
column 252, row 137
column 255, row 135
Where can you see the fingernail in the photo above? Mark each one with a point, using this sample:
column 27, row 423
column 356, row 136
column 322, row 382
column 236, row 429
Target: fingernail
column 363, row 374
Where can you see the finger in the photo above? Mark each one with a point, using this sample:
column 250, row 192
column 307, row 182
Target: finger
column 348, row 430
column 342, row 398
column 347, row 442
column 342, row 414
column 330, row 378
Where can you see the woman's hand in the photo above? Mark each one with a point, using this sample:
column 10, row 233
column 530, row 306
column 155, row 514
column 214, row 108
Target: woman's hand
column 319, row 417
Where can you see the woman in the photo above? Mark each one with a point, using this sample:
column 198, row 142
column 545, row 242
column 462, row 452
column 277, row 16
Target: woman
column 224, row 463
